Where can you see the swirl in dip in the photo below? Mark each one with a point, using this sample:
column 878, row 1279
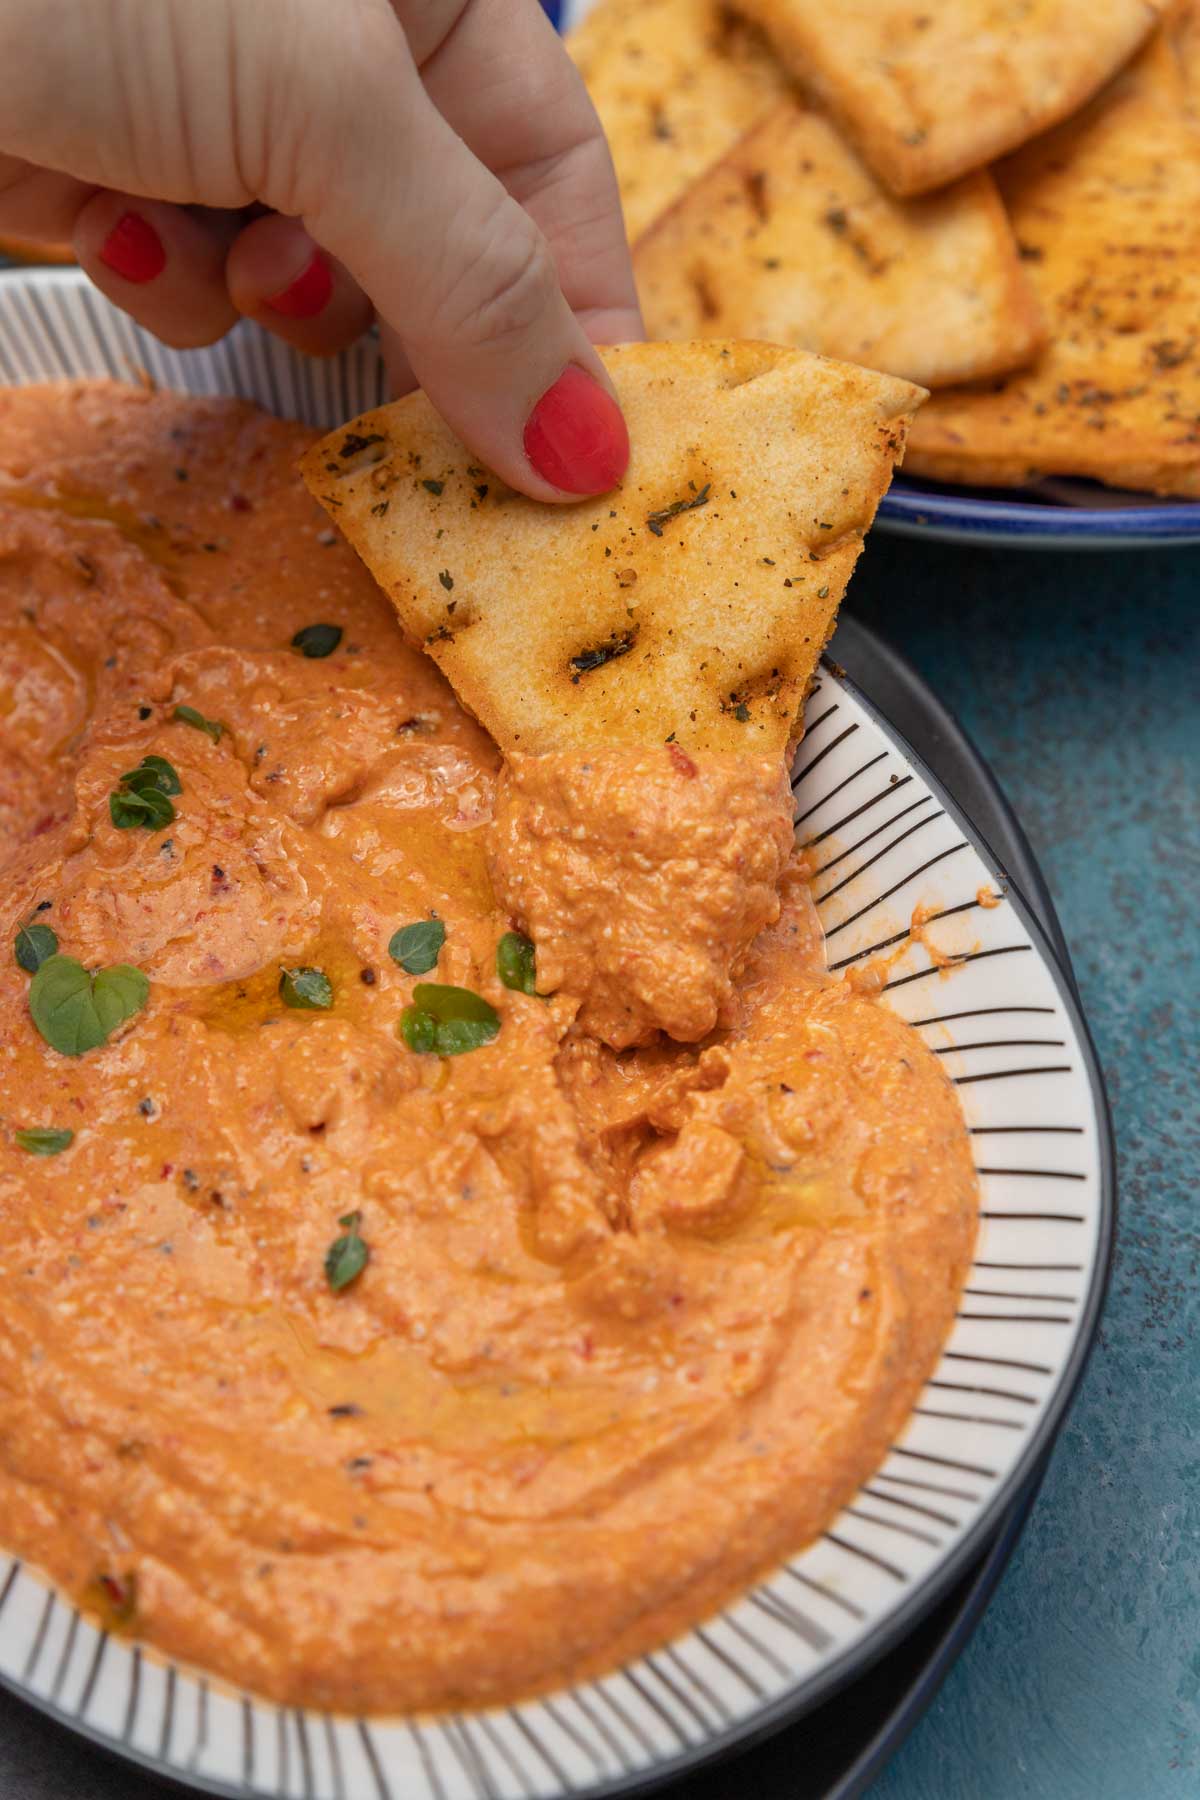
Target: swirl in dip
column 653, row 1273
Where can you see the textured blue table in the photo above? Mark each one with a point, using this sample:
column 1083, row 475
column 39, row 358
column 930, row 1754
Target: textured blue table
column 1079, row 678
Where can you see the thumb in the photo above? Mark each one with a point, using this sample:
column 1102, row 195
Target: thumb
column 460, row 273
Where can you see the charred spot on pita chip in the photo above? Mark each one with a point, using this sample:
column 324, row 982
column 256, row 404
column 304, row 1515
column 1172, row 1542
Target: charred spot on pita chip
column 619, row 644
column 536, row 652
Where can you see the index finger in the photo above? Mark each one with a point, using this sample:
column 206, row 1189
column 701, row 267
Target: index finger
column 500, row 75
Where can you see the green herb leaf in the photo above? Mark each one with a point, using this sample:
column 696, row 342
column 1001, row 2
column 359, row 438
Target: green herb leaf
column 516, row 962
column 43, row 1140
column 143, row 795
column 456, row 1036
column 147, row 806
column 32, row 945
column 346, row 1257
column 418, row 1029
column 310, row 990
column 657, row 520
column 187, row 715
column 417, row 947
column 448, row 1020
column 449, row 1004
column 75, row 1011
column 138, row 781
column 317, row 640
column 153, row 772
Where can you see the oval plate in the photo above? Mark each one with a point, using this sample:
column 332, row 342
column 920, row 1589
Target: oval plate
column 887, row 839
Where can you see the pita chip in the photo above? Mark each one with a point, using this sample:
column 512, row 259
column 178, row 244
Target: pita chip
column 676, row 83
column 791, row 239
column 1107, row 212
column 929, row 89
column 695, row 600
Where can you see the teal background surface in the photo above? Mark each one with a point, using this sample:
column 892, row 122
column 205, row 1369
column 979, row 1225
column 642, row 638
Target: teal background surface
column 1079, row 679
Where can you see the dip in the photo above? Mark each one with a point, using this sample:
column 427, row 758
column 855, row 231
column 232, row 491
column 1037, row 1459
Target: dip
column 366, row 1376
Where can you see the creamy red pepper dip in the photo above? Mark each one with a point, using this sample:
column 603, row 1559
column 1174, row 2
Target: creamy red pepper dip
column 653, row 1275
column 644, row 878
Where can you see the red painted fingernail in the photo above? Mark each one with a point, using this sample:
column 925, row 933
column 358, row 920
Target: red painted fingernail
column 576, row 437
column 133, row 249
column 308, row 294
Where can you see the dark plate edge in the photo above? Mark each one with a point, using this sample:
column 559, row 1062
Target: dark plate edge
column 928, row 1681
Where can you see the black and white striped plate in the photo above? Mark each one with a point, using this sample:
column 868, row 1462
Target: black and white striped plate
column 887, row 839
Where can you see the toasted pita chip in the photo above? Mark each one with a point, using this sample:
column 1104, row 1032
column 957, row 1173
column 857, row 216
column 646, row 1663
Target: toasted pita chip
column 1107, row 211
column 694, row 600
column 929, row 89
column 676, row 83
column 790, row 239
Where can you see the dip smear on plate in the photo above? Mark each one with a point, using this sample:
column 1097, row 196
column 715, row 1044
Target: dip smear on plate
column 366, row 1376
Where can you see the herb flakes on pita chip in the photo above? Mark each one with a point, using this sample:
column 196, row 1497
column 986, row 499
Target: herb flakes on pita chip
column 1107, row 212
column 676, row 83
column 692, row 602
column 790, row 239
column 929, row 89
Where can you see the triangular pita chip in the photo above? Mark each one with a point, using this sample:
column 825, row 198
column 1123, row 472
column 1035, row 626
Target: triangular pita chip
column 928, row 89
column 676, row 83
column 1107, row 212
column 694, row 600
column 791, row 239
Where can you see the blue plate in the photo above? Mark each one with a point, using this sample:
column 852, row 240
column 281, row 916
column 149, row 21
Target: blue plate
column 1056, row 515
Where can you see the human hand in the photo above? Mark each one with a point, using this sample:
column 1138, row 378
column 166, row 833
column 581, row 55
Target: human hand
column 436, row 163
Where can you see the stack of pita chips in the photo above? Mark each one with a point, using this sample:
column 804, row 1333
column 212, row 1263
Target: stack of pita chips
column 790, row 238
column 928, row 89
column 676, row 83
column 1107, row 213
column 826, row 177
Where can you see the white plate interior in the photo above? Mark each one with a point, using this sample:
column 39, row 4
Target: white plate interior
column 887, row 841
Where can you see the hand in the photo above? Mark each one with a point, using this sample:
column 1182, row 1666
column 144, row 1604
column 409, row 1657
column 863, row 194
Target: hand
column 436, row 162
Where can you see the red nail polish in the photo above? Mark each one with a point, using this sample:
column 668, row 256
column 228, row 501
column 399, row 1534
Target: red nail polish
column 576, row 437
column 133, row 249
column 308, row 294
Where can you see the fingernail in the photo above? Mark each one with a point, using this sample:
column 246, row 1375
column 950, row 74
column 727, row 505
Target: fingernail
column 576, row 437
column 308, row 294
column 133, row 249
